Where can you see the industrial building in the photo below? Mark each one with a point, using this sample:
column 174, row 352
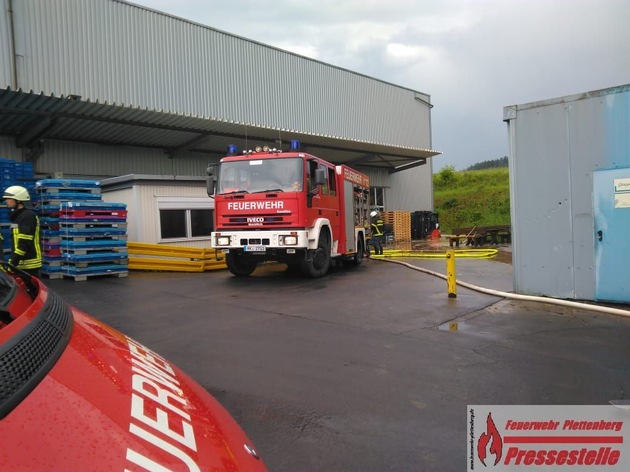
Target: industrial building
column 104, row 88
column 570, row 195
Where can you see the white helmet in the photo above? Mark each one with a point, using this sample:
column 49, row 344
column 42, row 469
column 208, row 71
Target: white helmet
column 374, row 213
column 17, row 193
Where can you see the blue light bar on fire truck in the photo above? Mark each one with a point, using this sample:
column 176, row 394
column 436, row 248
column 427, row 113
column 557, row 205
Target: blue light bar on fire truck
column 231, row 150
column 295, row 145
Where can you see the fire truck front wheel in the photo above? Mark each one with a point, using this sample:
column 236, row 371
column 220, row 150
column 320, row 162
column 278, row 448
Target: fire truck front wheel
column 240, row 265
column 358, row 257
column 317, row 261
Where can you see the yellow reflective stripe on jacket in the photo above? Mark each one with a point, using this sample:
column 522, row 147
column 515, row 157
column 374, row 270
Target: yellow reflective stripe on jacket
column 377, row 228
column 36, row 261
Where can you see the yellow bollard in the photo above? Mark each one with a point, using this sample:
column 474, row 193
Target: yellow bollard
column 450, row 274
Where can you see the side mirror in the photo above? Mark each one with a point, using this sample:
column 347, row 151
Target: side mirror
column 211, row 180
column 320, row 176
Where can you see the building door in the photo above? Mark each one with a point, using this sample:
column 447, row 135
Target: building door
column 611, row 208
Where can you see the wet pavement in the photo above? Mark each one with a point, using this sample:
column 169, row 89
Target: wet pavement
column 370, row 368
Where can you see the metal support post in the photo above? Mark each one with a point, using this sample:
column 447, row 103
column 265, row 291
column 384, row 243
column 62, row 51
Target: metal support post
column 450, row 274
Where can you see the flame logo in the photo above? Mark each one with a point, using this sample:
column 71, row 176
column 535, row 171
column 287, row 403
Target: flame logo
column 493, row 437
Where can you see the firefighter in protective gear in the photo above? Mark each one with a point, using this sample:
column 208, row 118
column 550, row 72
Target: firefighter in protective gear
column 376, row 228
column 26, row 253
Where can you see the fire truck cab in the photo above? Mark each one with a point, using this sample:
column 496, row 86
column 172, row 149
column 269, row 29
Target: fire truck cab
column 291, row 207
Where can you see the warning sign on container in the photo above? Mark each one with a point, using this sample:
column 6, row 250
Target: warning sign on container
column 622, row 193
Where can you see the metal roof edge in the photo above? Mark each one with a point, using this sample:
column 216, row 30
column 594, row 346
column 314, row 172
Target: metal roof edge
column 509, row 111
column 128, row 180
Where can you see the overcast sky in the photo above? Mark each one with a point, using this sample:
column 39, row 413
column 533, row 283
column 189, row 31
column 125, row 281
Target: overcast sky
column 473, row 57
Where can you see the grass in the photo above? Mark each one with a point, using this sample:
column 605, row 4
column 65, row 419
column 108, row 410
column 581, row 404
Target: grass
column 472, row 198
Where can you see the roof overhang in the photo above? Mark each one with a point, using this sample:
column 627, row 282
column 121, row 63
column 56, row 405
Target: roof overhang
column 32, row 118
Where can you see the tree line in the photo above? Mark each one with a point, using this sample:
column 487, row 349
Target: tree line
column 492, row 164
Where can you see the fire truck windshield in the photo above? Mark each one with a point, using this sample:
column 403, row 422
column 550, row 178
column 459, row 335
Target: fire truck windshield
column 262, row 175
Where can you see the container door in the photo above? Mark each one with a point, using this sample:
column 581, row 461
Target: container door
column 611, row 202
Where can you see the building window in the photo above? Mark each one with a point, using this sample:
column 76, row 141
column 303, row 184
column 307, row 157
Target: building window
column 201, row 222
column 377, row 197
column 172, row 224
column 184, row 218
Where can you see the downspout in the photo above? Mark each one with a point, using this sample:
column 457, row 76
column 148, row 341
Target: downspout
column 14, row 82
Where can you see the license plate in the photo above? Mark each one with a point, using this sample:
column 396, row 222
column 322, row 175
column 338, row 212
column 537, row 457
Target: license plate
column 255, row 249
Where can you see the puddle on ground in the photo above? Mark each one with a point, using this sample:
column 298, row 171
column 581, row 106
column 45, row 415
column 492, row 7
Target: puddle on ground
column 453, row 326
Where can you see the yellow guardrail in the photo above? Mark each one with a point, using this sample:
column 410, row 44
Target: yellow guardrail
column 146, row 256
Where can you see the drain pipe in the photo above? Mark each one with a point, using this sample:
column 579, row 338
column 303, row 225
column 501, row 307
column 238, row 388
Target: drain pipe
column 515, row 296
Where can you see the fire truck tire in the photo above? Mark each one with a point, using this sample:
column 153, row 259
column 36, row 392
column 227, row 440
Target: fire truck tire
column 317, row 261
column 358, row 257
column 240, row 264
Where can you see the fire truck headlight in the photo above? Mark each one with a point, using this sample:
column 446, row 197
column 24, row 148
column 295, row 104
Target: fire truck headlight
column 289, row 240
column 223, row 240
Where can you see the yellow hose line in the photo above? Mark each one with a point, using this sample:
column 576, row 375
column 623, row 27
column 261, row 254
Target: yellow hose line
column 459, row 253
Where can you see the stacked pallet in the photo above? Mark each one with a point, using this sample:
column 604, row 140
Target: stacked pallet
column 400, row 222
column 93, row 239
column 82, row 236
column 49, row 195
column 12, row 173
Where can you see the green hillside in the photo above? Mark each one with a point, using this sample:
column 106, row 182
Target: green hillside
column 471, row 198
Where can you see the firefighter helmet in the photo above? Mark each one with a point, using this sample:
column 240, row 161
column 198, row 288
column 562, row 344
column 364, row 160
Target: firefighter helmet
column 17, row 193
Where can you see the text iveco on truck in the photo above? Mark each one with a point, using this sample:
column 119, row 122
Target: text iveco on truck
column 290, row 207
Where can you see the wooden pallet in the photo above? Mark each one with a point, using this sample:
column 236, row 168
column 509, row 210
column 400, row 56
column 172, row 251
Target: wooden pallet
column 400, row 221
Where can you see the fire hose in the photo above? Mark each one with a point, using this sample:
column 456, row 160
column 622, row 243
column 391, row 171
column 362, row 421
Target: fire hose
column 487, row 254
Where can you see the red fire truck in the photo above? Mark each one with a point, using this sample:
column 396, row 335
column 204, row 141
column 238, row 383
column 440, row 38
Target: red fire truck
column 290, row 207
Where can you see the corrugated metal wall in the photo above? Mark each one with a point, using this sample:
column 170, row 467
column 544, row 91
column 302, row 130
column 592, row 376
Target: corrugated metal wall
column 5, row 45
column 555, row 146
column 109, row 50
column 112, row 51
column 411, row 190
column 8, row 149
column 77, row 160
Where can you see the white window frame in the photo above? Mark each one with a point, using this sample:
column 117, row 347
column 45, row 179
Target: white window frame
column 186, row 204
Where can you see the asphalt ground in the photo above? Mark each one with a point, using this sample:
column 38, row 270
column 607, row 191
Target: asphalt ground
column 359, row 371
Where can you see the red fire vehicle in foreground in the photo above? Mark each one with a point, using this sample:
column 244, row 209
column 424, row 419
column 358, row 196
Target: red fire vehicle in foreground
column 289, row 207
column 76, row 394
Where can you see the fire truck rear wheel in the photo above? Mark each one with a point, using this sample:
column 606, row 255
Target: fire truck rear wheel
column 240, row 264
column 358, row 257
column 317, row 261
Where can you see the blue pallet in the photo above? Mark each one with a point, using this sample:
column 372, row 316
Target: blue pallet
column 68, row 183
column 49, row 233
column 67, row 196
column 91, row 219
column 93, row 206
column 104, row 225
column 111, row 243
column 95, row 257
column 95, row 270
column 93, row 232
column 46, row 208
column 49, row 220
